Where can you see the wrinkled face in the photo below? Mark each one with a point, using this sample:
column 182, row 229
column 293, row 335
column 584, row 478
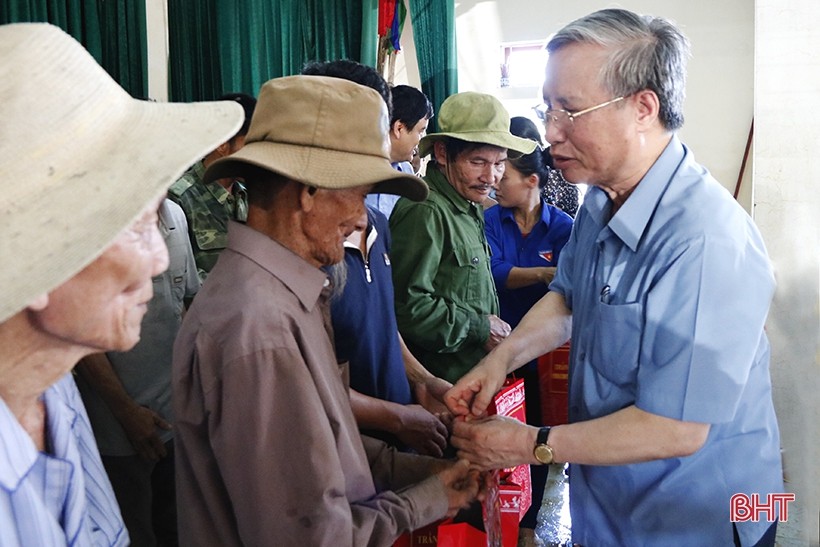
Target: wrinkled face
column 594, row 147
column 101, row 308
column 515, row 190
column 404, row 141
column 473, row 174
column 333, row 215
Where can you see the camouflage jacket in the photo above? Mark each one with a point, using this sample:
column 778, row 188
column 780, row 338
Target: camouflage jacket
column 208, row 207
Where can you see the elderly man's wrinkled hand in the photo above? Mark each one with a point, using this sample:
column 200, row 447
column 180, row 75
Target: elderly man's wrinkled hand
column 463, row 484
column 494, row 442
column 422, row 431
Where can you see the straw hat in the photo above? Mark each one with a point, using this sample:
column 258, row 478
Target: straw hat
column 321, row 131
column 479, row 118
column 80, row 159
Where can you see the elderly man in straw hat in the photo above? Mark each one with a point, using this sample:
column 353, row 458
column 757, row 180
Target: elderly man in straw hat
column 446, row 304
column 268, row 449
column 80, row 244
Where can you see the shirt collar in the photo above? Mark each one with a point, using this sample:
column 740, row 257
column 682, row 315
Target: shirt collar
column 438, row 182
column 371, row 236
column 631, row 220
column 20, row 454
column 544, row 218
column 302, row 278
column 216, row 189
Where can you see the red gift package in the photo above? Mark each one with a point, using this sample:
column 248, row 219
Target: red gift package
column 509, row 401
column 553, row 377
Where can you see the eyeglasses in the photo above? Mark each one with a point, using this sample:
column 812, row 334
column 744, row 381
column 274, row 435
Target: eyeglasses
column 561, row 117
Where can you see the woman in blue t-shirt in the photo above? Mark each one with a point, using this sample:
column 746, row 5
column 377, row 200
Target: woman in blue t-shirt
column 526, row 236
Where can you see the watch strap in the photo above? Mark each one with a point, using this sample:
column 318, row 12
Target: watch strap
column 543, row 435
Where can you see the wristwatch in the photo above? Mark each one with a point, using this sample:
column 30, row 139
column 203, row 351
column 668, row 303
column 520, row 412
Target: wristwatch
column 542, row 451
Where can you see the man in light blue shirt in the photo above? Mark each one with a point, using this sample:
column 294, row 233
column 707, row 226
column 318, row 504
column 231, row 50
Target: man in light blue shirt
column 665, row 285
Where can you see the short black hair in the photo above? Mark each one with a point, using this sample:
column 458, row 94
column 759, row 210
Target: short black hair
column 247, row 103
column 358, row 73
column 410, row 106
column 539, row 160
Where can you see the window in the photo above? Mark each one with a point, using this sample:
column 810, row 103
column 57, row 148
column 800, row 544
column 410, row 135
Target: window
column 522, row 64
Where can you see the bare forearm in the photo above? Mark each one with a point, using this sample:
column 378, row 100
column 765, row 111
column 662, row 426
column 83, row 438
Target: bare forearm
column 97, row 371
column 525, row 277
column 627, row 436
column 372, row 413
column 416, row 373
column 545, row 327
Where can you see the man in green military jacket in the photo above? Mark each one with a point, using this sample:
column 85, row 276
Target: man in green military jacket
column 446, row 304
column 209, row 206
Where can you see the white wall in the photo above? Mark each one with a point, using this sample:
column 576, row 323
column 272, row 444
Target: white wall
column 786, row 175
column 156, row 16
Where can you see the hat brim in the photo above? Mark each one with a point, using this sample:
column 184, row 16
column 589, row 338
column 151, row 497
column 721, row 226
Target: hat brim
column 319, row 167
column 516, row 146
column 85, row 164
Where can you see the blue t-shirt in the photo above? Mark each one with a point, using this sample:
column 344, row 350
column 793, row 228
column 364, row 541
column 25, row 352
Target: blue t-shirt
column 668, row 302
column 509, row 249
column 364, row 319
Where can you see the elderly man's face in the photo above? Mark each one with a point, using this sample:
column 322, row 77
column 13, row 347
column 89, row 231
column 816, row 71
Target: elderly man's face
column 593, row 148
column 473, row 174
column 334, row 215
column 101, row 308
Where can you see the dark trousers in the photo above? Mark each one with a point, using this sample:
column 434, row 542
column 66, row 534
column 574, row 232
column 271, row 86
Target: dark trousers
column 147, row 497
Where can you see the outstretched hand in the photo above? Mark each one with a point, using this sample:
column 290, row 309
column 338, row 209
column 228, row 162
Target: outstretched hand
column 474, row 392
column 494, row 442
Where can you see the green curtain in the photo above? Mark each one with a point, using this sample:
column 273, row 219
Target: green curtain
column 113, row 31
column 434, row 33
column 227, row 47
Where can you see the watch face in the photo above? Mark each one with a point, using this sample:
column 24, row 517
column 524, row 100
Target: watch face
column 543, row 453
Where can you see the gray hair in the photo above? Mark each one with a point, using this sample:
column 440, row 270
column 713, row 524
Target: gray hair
column 646, row 53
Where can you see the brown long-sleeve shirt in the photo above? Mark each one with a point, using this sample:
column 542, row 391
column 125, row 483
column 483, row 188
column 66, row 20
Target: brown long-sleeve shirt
column 268, row 452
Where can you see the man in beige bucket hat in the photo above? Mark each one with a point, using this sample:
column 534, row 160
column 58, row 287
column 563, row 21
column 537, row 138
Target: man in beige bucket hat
column 446, row 304
column 268, row 449
column 84, row 168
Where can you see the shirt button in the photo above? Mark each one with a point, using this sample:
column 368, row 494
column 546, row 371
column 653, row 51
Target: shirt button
column 326, row 284
column 474, row 260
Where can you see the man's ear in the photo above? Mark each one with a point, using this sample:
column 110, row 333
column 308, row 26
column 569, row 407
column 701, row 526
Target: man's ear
column 39, row 303
column 396, row 129
column 223, row 149
column 440, row 152
column 648, row 107
column 307, row 197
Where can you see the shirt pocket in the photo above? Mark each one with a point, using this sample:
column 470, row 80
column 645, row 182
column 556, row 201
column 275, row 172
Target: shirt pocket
column 465, row 278
column 172, row 281
column 616, row 344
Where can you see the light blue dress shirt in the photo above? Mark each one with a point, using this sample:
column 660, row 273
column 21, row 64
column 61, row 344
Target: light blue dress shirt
column 668, row 300
column 385, row 202
column 60, row 498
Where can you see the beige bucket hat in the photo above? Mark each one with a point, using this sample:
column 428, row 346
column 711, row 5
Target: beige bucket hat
column 479, row 118
column 320, row 131
column 79, row 158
